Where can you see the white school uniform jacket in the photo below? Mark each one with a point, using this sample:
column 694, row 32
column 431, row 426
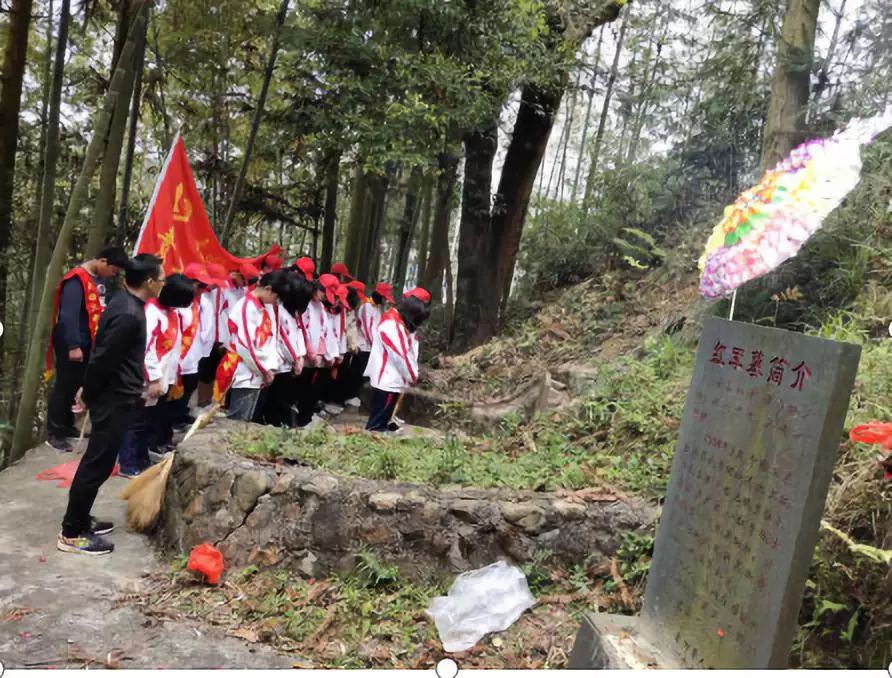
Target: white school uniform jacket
column 222, row 308
column 163, row 340
column 194, row 353
column 368, row 316
column 315, row 320
column 291, row 340
column 252, row 332
column 332, row 336
column 393, row 361
column 353, row 331
column 207, row 324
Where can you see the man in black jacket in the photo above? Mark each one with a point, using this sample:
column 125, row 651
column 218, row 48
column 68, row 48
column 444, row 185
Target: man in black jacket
column 113, row 392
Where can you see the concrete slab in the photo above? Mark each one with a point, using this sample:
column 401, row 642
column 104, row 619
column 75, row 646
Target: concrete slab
column 72, row 598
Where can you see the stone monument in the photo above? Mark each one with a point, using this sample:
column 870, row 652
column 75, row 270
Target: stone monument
column 756, row 450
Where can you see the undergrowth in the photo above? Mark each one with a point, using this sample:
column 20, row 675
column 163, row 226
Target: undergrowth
column 621, row 436
column 374, row 617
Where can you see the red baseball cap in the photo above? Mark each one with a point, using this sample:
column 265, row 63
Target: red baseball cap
column 342, row 291
column 219, row 275
column 341, row 269
column 273, row 262
column 249, row 271
column 196, row 271
column 385, row 290
column 306, row 266
column 419, row 293
column 357, row 285
column 331, row 284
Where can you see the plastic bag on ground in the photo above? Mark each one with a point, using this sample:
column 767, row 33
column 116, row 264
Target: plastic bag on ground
column 481, row 601
column 207, row 560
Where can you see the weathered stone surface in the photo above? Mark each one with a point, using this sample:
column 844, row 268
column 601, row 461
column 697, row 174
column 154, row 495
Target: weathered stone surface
column 310, row 521
column 384, row 501
column 514, row 512
column 248, row 487
column 569, row 509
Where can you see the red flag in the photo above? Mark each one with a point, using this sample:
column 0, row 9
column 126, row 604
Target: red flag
column 177, row 227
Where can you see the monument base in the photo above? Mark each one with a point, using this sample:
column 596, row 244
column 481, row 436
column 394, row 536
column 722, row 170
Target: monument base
column 612, row 641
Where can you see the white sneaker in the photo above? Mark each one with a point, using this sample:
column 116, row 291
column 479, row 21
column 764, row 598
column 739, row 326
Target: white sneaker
column 396, row 420
column 333, row 409
column 353, row 402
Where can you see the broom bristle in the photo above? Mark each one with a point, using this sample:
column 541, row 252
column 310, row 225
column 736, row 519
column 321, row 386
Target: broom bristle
column 144, row 502
column 136, row 484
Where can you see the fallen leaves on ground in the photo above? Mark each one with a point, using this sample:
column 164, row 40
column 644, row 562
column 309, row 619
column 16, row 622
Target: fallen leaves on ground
column 342, row 622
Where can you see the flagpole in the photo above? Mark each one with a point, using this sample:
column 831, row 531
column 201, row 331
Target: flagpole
column 158, row 181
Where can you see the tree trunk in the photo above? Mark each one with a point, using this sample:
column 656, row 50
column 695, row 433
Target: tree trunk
column 531, row 131
column 647, row 88
column 331, row 208
column 474, row 255
column 823, row 77
column 16, row 357
column 439, row 249
column 424, row 245
column 22, row 434
column 123, row 206
column 255, row 124
column 571, row 107
column 14, row 58
column 605, row 109
column 108, row 177
column 358, row 219
column 408, row 225
column 369, row 256
column 50, row 161
column 785, row 122
column 588, row 116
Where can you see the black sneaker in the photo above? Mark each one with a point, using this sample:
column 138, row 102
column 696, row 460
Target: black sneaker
column 89, row 545
column 394, row 427
column 100, row 527
column 60, row 444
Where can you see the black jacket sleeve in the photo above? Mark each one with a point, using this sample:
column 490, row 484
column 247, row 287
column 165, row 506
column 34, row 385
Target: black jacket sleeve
column 71, row 304
column 112, row 343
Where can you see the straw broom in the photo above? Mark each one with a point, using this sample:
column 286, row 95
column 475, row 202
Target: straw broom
column 78, row 448
column 145, row 493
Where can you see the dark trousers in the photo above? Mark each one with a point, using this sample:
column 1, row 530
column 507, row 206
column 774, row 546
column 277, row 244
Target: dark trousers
column 181, row 406
column 280, row 397
column 111, row 415
column 383, row 405
column 354, row 378
column 245, row 403
column 331, row 386
column 307, row 393
column 160, row 422
column 69, row 378
column 133, row 454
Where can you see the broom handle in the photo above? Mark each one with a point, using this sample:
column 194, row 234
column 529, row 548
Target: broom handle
column 80, row 440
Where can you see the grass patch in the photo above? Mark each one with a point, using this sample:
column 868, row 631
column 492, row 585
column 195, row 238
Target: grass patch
column 621, row 436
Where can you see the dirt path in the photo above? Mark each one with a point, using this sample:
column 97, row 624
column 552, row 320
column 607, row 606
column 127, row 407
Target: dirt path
column 60, row 609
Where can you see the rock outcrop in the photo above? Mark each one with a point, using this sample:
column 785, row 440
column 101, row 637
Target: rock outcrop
column 299, row 518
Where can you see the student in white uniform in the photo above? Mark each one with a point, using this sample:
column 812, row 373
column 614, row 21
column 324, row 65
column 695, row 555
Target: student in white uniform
column 253, row 338
column 393, row 362
column 292, row 351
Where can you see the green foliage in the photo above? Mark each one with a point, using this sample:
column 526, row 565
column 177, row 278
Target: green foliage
column 373, row 573
column 634, row 556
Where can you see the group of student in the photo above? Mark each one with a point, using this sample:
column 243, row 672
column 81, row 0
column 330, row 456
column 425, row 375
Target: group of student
column 279, row 345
